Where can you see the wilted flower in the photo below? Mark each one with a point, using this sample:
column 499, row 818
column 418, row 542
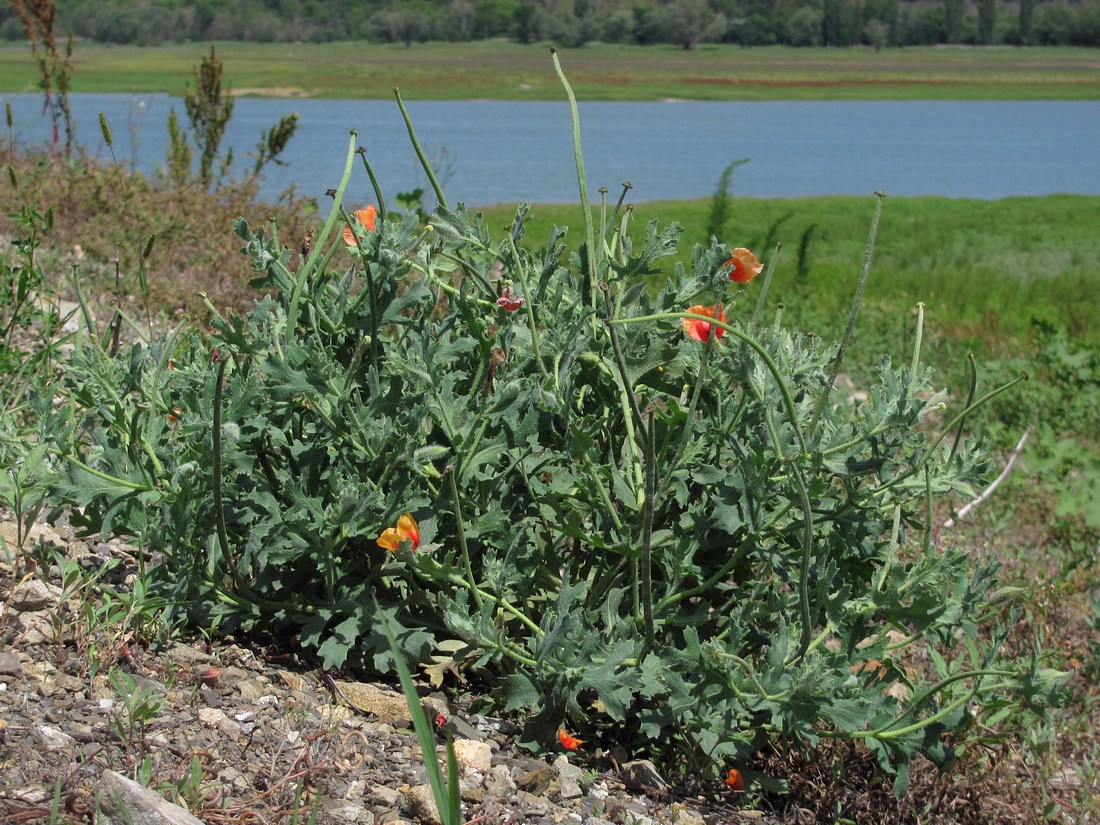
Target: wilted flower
column 365, row 217
column 509, row 301
column 700, row 330
column 406, row 530
column 734, row 780
column 568, row 741
column 743, row 265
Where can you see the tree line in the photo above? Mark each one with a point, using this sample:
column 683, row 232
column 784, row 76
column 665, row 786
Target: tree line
column 573, row 23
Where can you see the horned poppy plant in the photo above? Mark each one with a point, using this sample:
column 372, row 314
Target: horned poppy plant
column 568, row 741
column 406, row 529
column 700, row 330
column 743, row 265
column 734, row 780
column 366, row 218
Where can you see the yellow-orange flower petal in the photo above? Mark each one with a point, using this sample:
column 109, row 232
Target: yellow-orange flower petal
column 406, row 529
column 568, row 741
column 366, row 218
column 743, row 265
column 700, row 330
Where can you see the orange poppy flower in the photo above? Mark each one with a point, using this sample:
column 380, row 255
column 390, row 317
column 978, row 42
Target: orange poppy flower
column 568, row 741
column 366, row 218
column 700, row 330
column 743, row 265
column 734, row 780
column 406, row 530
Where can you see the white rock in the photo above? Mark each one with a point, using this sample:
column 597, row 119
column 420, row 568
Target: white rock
column 54, row 739
column 473, row 756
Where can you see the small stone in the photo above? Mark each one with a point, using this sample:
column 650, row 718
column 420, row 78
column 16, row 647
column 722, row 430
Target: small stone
column 500, row 783
column 293, row 680
column 342, row 810
column 34, row 595
column 473, row 756
column 54, row 739
column 214, row 718
column 384, row 797
column 470, row 789
column 533, row 805
column 38, row 628
column 641, row 775
column 569, row 778
column 250, row 689
column 10, row 664
column 422, row 804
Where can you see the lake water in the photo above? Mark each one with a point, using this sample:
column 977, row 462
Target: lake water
column 510, row 152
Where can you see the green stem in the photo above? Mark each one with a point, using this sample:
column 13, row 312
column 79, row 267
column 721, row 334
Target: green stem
column 529, row 309
column 853, row 314
column 463, row 548
column 762, row 298
column 939, row 686
column 914, row 366
column 372, row 290
column 586, row 460
column 633, row 412
column 374, row 184
column 216, row 467
column 121, row 482
column 589, row 224
column 440, row 198
column 306, row 269
column 647, row 531
column 806, row 562
column 973, row 369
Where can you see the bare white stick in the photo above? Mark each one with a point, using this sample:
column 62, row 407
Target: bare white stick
column 959, row 516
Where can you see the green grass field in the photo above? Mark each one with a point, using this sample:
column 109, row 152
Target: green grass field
column 509, row 71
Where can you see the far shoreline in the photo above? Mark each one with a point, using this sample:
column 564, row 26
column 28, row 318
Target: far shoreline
column 502, row 70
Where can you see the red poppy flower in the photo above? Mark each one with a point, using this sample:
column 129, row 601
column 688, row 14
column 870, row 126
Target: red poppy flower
column 700, row 330
column 743, row 265
column 406, row 530
column 734, row 780
column 509, row 301
column 364, row 217
column 568, row 741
